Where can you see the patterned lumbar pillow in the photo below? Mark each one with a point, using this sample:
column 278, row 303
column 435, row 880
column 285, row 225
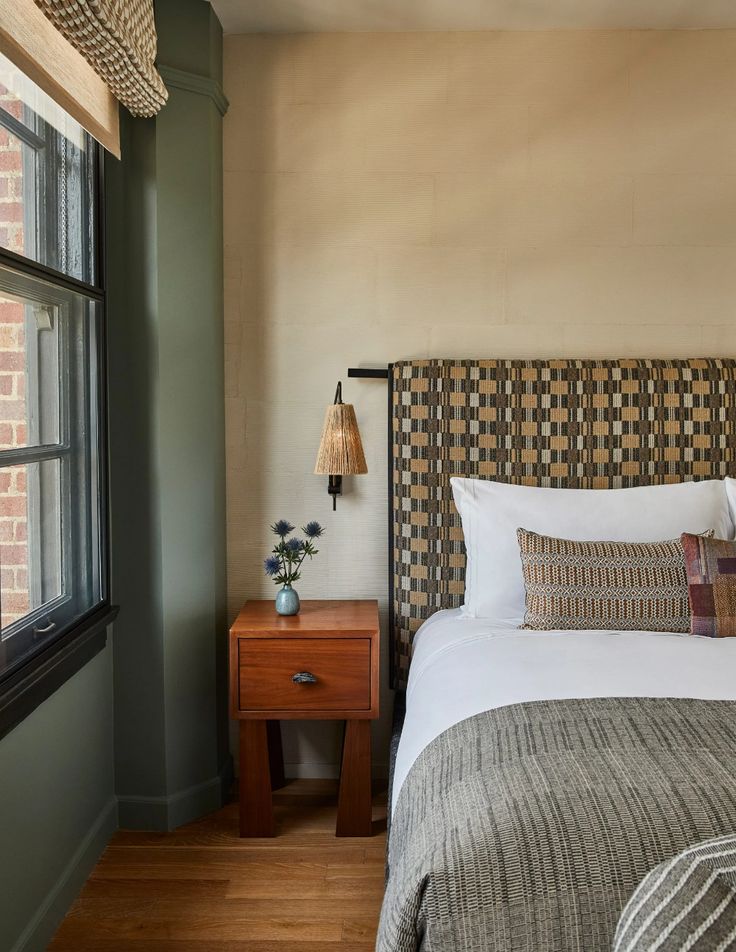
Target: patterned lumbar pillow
column 603, row 585
column 711, row 576
column 689, row 902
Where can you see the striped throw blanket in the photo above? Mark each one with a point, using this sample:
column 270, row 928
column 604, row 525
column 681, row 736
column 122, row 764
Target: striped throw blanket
column 528, row 828
column 687, row 903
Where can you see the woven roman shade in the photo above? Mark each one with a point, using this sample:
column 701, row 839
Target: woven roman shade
column 118, row 39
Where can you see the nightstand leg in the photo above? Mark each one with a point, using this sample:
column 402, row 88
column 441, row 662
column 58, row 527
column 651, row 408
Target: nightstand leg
column 275, row 755
column 256, row 808
column 354, row 801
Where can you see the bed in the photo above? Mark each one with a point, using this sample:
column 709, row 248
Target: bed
column 539, row 776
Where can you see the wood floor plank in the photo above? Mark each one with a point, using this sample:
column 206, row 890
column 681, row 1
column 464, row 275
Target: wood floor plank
column 98, row 888
column 274, row 889
column 204, row 945
column 144, row 929
column 204, row 889
column 363, row 871
column 250, row 909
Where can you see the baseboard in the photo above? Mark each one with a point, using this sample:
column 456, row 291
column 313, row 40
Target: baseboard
column 40, row 930
column 317, row 771
column 167, row 813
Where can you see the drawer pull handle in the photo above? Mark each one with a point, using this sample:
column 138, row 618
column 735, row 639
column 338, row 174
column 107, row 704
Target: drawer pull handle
column 303, row 677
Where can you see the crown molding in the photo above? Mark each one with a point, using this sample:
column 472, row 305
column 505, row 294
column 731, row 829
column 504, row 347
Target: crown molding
column 195, row 83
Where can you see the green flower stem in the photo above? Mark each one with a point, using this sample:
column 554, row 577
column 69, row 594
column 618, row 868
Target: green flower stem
column 288, row 560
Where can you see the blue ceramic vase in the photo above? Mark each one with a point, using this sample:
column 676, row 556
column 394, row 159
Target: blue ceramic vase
column 287, row 601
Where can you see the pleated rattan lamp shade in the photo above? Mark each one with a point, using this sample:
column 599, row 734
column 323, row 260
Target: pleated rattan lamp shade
column 340, row 450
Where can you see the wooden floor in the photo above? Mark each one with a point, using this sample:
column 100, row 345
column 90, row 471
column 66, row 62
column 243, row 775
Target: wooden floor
column 203, row 889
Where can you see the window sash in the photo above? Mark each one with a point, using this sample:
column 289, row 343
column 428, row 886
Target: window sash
column 83, row 577
column 60, row 209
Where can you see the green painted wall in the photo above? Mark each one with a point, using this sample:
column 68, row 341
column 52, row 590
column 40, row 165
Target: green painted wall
column 191, row 428
column 57, row 804
column 147, row 718
column 167, row 436
column 135, row 522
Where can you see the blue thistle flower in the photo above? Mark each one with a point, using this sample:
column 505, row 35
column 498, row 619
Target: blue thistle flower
column 313, row 530
column 272, row 565
column 294, row 546
column 282, row 528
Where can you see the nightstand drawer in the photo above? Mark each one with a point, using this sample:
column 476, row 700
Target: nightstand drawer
column 340, row 669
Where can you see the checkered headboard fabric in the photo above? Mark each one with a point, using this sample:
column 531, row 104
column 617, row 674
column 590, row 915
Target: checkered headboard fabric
column 577, row 423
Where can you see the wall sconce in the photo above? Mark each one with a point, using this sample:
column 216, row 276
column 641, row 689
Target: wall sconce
column 340, row 450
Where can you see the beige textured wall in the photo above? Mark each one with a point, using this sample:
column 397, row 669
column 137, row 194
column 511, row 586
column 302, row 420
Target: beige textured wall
column 452, row 195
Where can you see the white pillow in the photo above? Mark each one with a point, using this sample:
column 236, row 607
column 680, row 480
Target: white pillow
column 731, row 496
column 491, row 513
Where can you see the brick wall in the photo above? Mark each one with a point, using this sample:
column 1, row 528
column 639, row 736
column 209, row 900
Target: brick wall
column 14, row 591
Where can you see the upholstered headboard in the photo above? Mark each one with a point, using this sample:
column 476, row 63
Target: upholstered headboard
column 576, row 423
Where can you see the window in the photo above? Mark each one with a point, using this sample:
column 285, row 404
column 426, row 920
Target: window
column 53, row 559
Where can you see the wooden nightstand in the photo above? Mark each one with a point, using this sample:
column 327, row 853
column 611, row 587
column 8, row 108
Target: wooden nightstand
column 321, row 664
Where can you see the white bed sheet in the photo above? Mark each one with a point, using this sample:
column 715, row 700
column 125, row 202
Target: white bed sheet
column 463, row 666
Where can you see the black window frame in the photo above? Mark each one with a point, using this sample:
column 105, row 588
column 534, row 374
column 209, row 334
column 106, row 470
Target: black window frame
column 57, row 659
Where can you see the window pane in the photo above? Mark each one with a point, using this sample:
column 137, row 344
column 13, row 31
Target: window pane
column 30, row 539
column 13, row 157
column 29, row 372
column 47, row 169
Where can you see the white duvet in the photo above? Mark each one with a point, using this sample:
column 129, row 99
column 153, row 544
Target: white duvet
column 462, row 666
